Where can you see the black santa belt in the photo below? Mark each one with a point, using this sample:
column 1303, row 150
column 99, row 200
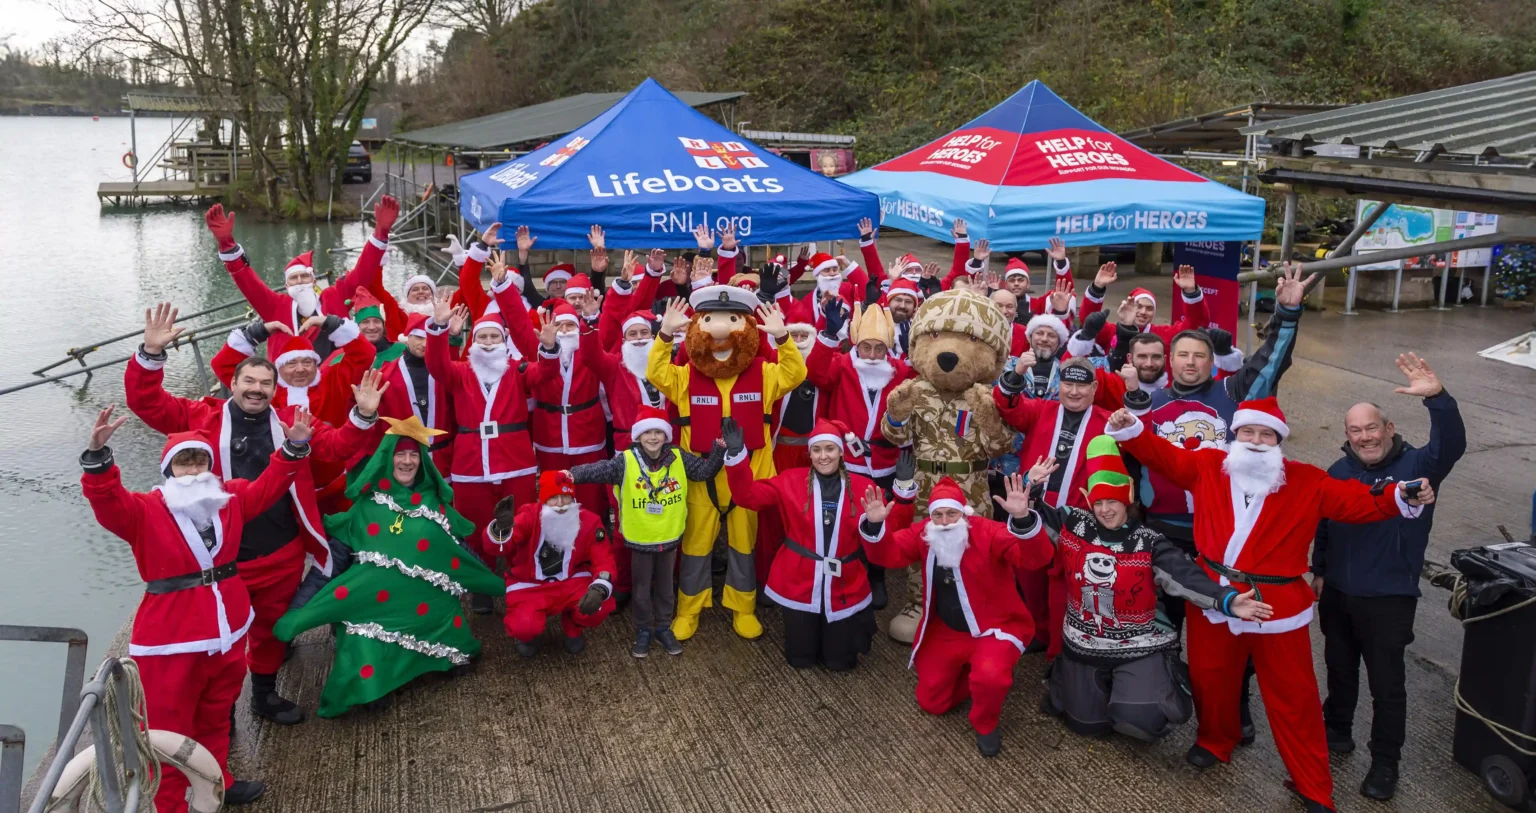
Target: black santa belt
column 1251, row 579
column 491, row 430
column 204, row 578
column 833, row 566
column 565, row 410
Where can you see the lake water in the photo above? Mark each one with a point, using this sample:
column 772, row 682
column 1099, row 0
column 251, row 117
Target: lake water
column 73, row 273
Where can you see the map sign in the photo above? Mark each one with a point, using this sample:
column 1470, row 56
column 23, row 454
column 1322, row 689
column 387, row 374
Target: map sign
column 1401, row 227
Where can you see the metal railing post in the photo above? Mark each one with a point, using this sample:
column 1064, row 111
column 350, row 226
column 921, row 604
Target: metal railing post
column 1445, row 282
column 13, row 744
column 1486, row 270
column 1349, row 293
column 1397, row 287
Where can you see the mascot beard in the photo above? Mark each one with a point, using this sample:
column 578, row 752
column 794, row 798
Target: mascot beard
column 709, row 356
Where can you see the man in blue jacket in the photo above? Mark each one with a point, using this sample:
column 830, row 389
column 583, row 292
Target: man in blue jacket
column 1366, row 577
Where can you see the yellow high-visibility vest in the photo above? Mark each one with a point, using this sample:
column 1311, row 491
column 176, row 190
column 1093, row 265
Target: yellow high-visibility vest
column 653, row 506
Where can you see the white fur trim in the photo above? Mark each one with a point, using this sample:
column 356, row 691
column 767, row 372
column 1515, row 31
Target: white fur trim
column 1409, row 511
column 577, row 290
column 1231, row 362
column 605, row 583
column 478, row 253
column 148, row 363
column 1015, row 272
column 238, row 341
column 501, row 287
column 556, row 276
column 570, row 318
column 487, row 323
column 1122, row 435
column 826, row 342
column 1147, row 296
column 1188, row 300
column 934, row 505
column 906, row 491
column 233, row 255
column 1080, row 347
column 202, row 446
column 292, row 355
column 739, row 457
column 832, row 263
column 377, row 243
column 825, row 437
column 646, row 425
column 634, row 320
column 359, row 421
column 421, row 279
column 292, row 269
column 345, row 333
column 727, row 252
column 867, row 538
column 1254, row 417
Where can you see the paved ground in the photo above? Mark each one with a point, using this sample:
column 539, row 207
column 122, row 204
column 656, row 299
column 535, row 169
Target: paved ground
column 728, row 726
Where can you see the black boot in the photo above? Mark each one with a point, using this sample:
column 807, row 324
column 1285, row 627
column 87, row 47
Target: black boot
column 1380, row 781
column 244, row 791
column 1199, row 757
column 525, row 648
column 878, row 598
column 1340, row 742
column 480, row 604
column 266, row 702
column 575, row 644
column 990, row 744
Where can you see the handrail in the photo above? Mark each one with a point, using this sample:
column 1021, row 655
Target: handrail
column 13, row 744
column 79, row 353
column 12, row 739
column 190, row 338
column 93, row 712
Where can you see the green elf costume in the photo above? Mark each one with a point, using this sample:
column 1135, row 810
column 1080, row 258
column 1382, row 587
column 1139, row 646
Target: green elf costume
column 396, row 610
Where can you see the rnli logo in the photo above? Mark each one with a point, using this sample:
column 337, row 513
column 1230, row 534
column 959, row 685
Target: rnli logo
column 564, row 154
column 721, row 154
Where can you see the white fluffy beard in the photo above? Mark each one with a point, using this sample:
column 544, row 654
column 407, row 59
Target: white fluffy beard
column 198, row 497
column 489, row 363
column 874, row 374
column 422, row 308
column 307, row 299
column 636, row 355
column 828, row 285
column 567, row 344
column 948, row 542
column 806, row 346
column 558, row 526
column 1255, row 468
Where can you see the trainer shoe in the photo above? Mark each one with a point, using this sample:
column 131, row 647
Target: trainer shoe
column 1340, row 742
column 525, row 648
column 668, row 641
column 904, row 626
column 1380, row 781
column 244, row 791
column 575, row 644
column 480, row 604
column 1198, row 756
column 642, row 645
column 989, row 744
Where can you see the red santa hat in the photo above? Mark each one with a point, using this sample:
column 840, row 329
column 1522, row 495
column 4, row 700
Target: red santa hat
column 579, row 284
column 905, row 287
column 1051, row 321
column 1143, row 293
column 296, row 348
column 303, row 262
column 639, row 318
column 821, row 261
column 563, row 312
column 489, row 320
column 826, row 430
column 1016, row 268
column 556, row 273
column 909, row 263
column 1261, row 412
column 415, row 325
column 649, row 418
column 419, row 279
column 181, row 442
column 946, row 493
column 555, row 483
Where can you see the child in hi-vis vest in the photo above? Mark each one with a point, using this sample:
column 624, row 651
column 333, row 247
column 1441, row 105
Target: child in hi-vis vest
column 652, row 479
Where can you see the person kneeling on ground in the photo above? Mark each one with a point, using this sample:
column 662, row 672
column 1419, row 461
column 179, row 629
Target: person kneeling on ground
column 1116, row 673
column 973, row 624
column 558, row 563
column 652, row 478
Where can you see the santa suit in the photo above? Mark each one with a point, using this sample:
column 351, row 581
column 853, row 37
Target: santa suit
column 976, row 662
column 532, row 594
column 850, row 401
column 1045, row 589
column 1268, row 535
column 329, row 396
column 492, row 455
column 278, row 306
column 432, row 404
column 568, row 425
column 189, row 642
column 271, row 578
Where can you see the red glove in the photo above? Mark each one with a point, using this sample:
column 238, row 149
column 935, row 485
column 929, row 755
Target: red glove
column 222, row 226
column 384, row 215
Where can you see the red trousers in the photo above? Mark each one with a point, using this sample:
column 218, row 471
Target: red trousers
column 621, row 578
column 952, row 666
column 192, row 694
column 529, row 608
column 477, row 502
column 1283, row 662
column 272, row 580
column 1045, row 596
column 592, row 496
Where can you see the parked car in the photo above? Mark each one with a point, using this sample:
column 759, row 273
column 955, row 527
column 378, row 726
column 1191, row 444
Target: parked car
column 359, row 164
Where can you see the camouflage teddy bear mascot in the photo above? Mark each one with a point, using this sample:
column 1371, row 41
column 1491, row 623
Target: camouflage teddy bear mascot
column 959, row 346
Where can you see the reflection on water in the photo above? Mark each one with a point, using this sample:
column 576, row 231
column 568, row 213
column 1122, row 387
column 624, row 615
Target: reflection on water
column 72, row 274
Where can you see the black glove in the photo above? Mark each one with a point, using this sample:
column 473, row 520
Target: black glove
column 770, row 281
column 1092, row 325
column 330, row 324
column 256, row 331
column 1221, row 340
column 735, row 439
column 906, row 465
column 835, row 316
column 594, row 599
column 504, row 512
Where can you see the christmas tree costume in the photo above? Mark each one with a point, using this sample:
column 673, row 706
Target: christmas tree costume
column 397, row 608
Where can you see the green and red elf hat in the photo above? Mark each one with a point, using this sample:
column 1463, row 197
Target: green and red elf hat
column 1107, row 478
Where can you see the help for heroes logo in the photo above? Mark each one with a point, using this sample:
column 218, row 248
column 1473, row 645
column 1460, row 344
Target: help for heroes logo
column 1073, row 154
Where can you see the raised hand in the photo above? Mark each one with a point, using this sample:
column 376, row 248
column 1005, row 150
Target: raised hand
column 1043, row 469
column 906, row 465
column 875, row 509
column 385, row 213
column 1426, row 495
column 1422, row 381
column 1130, row 377
column 676, row 316
column 834, row 315
column 704, row 238
column 1058, row 250
column 593, row 305
column 160, row 328
column 1221, row 340
column 1107, row 274
column 1015, row 499
column 315, row 321
column 866, row 229
column 958, row 232
column 1125, row 312
column 994, row 280
column 680, row 271
column 771, row 317
column 547, row 335
column 442, row 309
column 735, row 439
column 105, row 426
column 703, row 268
column 1026, row 360
column 498, row 268
column 1184, row 277
column 982, row 252
column 901, row 402
column 1290, row 287
column 597, row 238
column 458, row 318
column 627, row 271
column 728, row 238
column 657, row 260
column 525, row 241
column 222, row 226
column 599, row 260
column 1121, row 419
column 1249, row 608
column 275, row 326
column 492, row 235
column 1061, row 297
column 367, row 392
column 930, row 270
column 302, row 428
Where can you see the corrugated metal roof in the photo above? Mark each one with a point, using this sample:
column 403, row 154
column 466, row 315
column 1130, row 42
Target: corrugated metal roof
column 1494, row 117
column 1217, row 130
column 774, row 138
column 180, row 103
column 539, row 122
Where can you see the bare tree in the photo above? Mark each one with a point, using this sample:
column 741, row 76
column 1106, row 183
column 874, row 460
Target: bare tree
column 486, row 17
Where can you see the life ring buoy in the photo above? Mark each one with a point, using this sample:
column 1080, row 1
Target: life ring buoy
column 173, row 750
column 130, row 160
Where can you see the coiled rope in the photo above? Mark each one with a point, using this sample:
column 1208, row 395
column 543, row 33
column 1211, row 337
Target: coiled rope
column 1458, row 611
column 148, row 762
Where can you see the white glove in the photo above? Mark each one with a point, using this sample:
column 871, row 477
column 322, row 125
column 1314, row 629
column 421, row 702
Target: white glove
column 455, row 250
